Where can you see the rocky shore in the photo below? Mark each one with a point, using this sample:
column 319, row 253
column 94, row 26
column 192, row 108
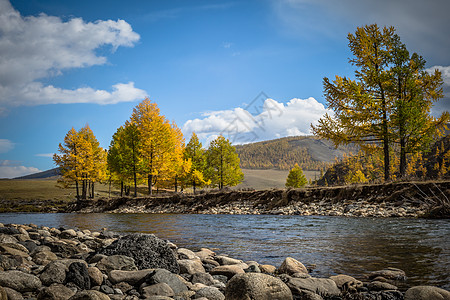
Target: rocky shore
column 401, row 199
column 51, row 263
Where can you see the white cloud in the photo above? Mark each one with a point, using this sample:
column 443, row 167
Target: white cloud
column 9, row 169
column 36, row 47
column 6, row 145
column 265, row 120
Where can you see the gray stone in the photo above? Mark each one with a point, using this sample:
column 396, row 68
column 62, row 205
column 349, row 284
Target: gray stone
column 389, row 273
column 380, row 286
column 95, row 275
column 54, row 272
column 228, row 270
column 106, row 289
column 148, row 251
column 13, row 294
column 184, row 253
column 62, row 249
column 203, row 278
column 162, row 275
column 116, row 262
column 211, row 293
column 188, row 266
column 320, row 286
column 257, row 286
column 79, row 275
column 158, row 289
column 427, row 293
column 291, row 266
column 55, row 292
column 346, row 282
column 5, row 238
column 225, row 260
column 44, row 257
column 20, row 281
column 8, row 263
column 131, row 277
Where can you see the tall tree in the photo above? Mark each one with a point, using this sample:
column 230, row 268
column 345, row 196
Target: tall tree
column 223, row 163
column 414, row 91
column 296, row 178
column 197, row 155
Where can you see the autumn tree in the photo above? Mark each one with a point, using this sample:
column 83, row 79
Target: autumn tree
column 81, row 161
column 223, row 163
column 160, row 143
column 197, row 155
column 296, row 178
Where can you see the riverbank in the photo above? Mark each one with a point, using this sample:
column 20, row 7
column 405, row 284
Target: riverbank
column 50, row 263
column 401, row 199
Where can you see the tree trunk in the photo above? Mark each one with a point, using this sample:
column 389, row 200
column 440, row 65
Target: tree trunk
column 121, row 188
column 402, row 157
column 150, row 184
column 93, row 191
column 193, row 185
column 387, row 163
column 176, row 183
column 83, row 190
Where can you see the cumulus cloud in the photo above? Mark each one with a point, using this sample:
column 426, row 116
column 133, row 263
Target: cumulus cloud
column 6, row 145
column 36, row 47
column 443, row 104
column 263, row 120
column 10, row 169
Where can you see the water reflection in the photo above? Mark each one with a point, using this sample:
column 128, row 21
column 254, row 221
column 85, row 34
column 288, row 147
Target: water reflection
column 336, row 245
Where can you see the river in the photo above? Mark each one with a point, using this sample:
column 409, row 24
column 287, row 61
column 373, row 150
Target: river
column 336, row 245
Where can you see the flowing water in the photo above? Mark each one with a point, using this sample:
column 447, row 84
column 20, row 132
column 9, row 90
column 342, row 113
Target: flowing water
column 336, row 245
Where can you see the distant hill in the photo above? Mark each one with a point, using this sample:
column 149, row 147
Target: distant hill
column 309, row 152
column 42, row 175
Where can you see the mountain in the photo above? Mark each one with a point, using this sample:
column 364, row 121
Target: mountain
column 311, row 153
column 42, row 175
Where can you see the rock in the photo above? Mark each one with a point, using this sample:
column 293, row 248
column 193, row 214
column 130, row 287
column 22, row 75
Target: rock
column 188, row 266
column 346, row 282
column 3, row 294
column 89, row 295
column 252, row 269
column 8, row 263
column 79, row 275
column 205, row 253
column 54, row 272
column 164, row 276
column 211, row 293
column 159, row 289
column 7, row 249
column 55, row 292
column 229, row 270
column 389, row 273
column 13, row 294
column 19, row 281
column 5, row 238
column 95, row 275
column 29, row 244
column 116, row 262
column 131, row 277
column 184, row 253
column 257, row 286
column 62, row 249
column 148, row 251
column 68, row 234
column 380, row 286
column 9, row 230
column 106, row 289
column 123, row 287
column 427, row 293
column 291, row 266
column 44, row 257
column 203, row 278
column 320, row 286
column 225, row 260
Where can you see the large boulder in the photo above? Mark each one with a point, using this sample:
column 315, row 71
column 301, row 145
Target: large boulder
column 427, row 293
column 257, row 286
column 148, row 251
column 20, row 281
column 54, row 272
column 291, row 266
column 320, row 286
column 79, row 275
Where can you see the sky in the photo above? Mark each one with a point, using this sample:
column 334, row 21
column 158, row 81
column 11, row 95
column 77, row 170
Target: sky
column 250, row 70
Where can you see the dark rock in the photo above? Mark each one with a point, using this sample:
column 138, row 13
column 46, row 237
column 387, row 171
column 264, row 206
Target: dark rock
column 203, row 278
column 106, row 289
column 8, row 263
column 29, row 244
column 89, row 295
column 221, row 278
column 389, row 273
column 257, row 286
column 9, row 230
column 19, row 281
column 13, row 294
column 148, row 251
column 380, row 286
column 79, row 275
column 162, row 275
column 383, row 295
column 62, row 249
column 54, row 272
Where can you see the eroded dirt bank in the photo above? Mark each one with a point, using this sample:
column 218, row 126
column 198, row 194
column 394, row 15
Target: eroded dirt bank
column 408, row 199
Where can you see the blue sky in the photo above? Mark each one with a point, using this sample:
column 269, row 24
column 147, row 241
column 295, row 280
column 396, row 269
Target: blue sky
column 251, row 70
